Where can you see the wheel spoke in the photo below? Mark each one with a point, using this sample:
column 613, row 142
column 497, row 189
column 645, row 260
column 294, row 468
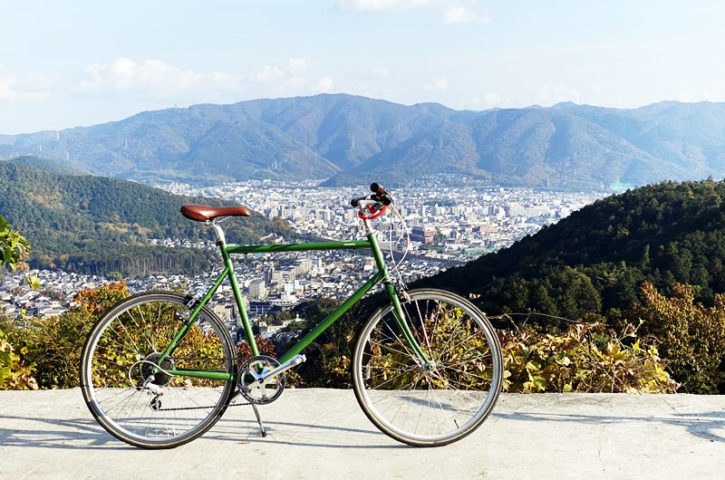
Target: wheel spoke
column 126, row 343
column 428, row 404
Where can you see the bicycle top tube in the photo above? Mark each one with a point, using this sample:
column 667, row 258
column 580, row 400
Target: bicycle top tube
column 369, row 207
column 292, row 247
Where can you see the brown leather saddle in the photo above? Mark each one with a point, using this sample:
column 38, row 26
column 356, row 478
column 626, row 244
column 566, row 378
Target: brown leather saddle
column 202, row 213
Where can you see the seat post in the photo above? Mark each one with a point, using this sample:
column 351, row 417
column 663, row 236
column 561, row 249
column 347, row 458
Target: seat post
column 220, row 237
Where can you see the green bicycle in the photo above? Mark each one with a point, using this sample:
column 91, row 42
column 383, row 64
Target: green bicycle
column 160, row 368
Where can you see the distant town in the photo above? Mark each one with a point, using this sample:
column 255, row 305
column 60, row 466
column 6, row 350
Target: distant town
column 432, row 226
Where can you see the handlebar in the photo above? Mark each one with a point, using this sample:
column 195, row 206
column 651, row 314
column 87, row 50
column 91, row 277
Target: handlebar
column 375, row 204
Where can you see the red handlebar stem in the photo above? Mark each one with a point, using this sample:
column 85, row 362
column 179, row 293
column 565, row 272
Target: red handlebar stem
column 374, row 213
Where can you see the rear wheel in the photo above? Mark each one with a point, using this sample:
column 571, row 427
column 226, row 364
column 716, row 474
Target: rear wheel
column 438, row 403
column 129, row 391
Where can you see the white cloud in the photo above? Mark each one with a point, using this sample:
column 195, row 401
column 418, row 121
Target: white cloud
column 23, row 86
column 381, row 5
column 492, row 100
column 269, row 73
column 297, row 64
column 275, row 74
column 278, row 80
column 460, row 14
column 164, row 80
column 154, row 76
column 7, row 92
column 325, row 85
column 439, row 84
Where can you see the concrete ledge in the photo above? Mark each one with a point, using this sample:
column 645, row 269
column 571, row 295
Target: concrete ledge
column 321, row 433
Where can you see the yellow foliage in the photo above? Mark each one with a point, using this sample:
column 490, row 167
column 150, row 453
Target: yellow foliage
column 692, row 337
column 95, row 301
column 585, row 358
column 13, row 374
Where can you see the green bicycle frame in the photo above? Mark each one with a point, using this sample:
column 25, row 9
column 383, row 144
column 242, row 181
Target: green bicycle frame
column 228, row 272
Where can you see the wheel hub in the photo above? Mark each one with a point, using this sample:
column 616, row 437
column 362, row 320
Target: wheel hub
column 160, row 378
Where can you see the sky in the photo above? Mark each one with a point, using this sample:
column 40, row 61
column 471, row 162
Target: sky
column 84, row 62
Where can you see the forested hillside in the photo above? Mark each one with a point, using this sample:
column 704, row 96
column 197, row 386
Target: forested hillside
column 103, row 225
column 595, row 260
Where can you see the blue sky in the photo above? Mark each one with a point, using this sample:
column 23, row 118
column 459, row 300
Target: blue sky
column 65, row 64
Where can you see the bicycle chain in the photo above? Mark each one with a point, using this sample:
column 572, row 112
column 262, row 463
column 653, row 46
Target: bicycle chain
column 231, row 404
column 202, row 407
column 178, row 409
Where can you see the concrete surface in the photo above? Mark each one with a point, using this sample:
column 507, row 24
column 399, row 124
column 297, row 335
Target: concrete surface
column 321, row 434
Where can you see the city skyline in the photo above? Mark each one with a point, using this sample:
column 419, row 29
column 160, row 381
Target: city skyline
column 469, row 221
column 87, row 63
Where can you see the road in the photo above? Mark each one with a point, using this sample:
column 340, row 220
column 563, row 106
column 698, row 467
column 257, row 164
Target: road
column 321, row 434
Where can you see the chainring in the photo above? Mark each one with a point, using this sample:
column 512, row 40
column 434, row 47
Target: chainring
column 251, row 385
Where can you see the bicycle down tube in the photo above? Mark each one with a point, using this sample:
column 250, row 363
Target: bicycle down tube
column 227, row 251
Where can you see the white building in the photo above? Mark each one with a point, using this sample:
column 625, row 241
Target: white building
column 258, row 289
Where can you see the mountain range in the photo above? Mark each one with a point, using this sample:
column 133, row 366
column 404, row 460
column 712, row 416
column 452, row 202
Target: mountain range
column 344, row 139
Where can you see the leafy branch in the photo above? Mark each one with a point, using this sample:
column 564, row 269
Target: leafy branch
column 14, row 248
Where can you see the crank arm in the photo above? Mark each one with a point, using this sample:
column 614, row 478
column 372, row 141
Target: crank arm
column 291, row 363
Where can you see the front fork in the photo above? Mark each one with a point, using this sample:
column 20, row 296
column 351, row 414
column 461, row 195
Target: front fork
column 398, row 312
column 404, row 326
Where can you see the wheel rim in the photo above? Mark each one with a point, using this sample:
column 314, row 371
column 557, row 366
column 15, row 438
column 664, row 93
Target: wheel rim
column 116, row 362
column 435, row 404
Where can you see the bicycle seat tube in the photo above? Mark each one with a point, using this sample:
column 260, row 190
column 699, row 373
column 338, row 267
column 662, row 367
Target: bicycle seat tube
column 221, row 243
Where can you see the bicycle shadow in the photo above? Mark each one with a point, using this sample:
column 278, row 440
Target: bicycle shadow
column 86, row 434
column 302, row 435
column 703, row 425
column 67, row 434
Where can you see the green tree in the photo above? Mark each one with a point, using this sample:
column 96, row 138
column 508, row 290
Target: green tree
column 574, row 293
column 692, row 337
column 541, row 301
column 13, row 373
column 52, row 346
column 14, row 248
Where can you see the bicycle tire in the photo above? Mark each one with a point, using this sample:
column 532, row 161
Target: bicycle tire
column 440, row 404
column 118, row 356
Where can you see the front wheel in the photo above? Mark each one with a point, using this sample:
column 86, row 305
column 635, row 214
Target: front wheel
column 129, row 389
column 433, row 402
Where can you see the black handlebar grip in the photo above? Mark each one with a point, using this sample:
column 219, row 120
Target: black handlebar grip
column 379, row 194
